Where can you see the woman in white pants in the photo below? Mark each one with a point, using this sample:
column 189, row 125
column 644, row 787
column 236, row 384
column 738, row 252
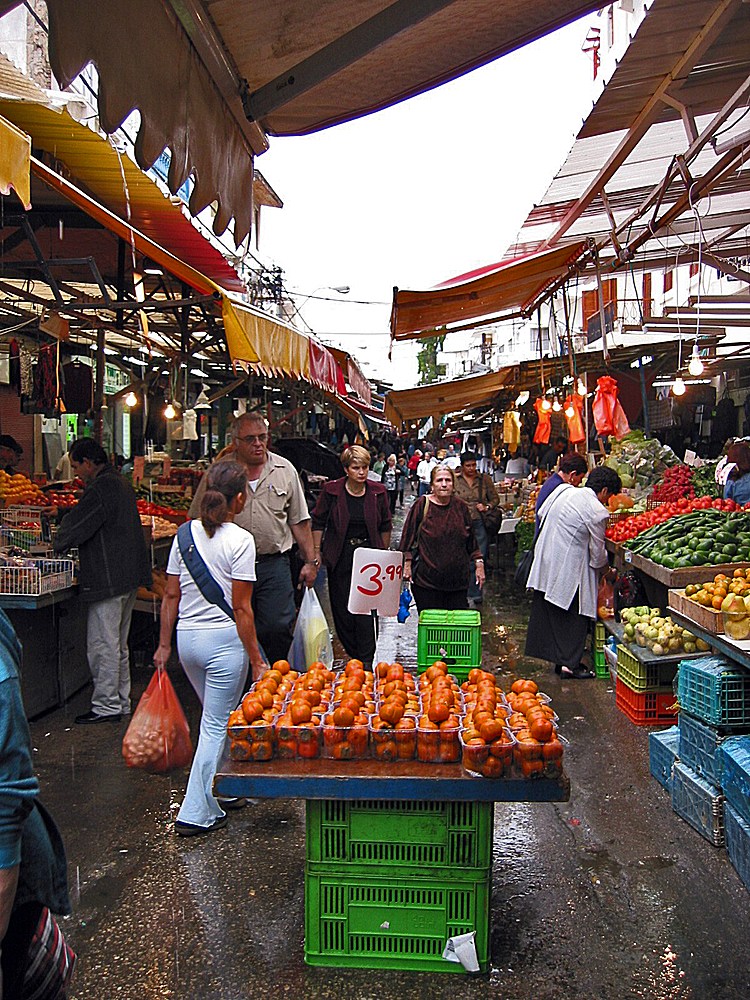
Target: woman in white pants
column 213, row 649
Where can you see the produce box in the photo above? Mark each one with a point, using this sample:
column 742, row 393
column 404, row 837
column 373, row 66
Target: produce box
column 706, row 618
column 699, row 803
column 715, row 690
column 452, row 636
column 399, row 838
column 662, row 754
column 652, row 675
column 393, row 923
column 601, row 667
column 645, row 708
column 737, row 839
column 679, row 578
column 735, row 775
column 699, row 747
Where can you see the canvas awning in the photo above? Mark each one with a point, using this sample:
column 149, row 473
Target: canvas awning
column 15, row 162
column 212, row 77
column 499, row 291
column 353, row 374
column 446, row 397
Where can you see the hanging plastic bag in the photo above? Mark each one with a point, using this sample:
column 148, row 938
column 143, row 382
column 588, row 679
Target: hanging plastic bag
column 605, row 599
column 404, row 604
column 603, row 405
column 574, row 419
column 311, row 641
column 158, row 737
column 620, row 421
column 544, row 426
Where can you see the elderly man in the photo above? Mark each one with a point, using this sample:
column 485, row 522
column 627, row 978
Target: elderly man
column 276, row 515
column 106, row 528
column 478, row 491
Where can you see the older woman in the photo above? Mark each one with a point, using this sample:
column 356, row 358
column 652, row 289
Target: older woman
column 568, row 560
column 738, row 484
column 350, row 513
column 440, row 551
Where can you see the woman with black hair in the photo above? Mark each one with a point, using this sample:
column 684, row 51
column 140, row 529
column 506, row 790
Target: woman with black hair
column 213, row 647
column 569, row 558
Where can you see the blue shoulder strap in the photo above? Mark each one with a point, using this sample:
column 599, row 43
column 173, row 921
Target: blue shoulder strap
column 197, row 568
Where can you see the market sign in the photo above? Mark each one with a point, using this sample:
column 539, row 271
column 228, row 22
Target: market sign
column 115, row 379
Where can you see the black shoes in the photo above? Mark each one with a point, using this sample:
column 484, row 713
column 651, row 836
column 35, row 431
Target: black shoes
column 579, row 673
column 191, row 830
column 93, row 718
column 234, row 803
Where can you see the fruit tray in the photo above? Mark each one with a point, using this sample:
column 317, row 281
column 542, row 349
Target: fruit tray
column 390, row 744
column 699, row 803
column 715, row 690
column 706, row 618
column 345, row 742
column 735, row 777
column 737, row 838
column 304, row 741
column 399, row 838
column 645, row 708
column 253, row 742
column 393, row 923
column 662, row 755
column 493, row 760
column 438, row 746
column 639, row 676
column 455, row 637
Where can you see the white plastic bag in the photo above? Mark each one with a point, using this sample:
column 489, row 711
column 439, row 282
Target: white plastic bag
column 311, row 641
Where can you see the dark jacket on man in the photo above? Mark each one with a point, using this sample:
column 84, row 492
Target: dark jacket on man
column 106, row 529
column 331, row 516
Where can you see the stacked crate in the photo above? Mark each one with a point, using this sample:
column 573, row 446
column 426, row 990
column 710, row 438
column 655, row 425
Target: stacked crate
column 643, row 691
column 714, row 698
column 734, row 755
column 388, row 883
column 455, row 637
column 601, row 667
column 663, row 754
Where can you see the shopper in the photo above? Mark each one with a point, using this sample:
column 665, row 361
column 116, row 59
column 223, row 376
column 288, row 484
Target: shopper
column 391, row 479
column 350, row 513
column 568, row 560
column 10, row 453
column 276, row 515
column 440, row 551
column 551, row 456
column 573, row 469
column 33, row 867
column 478, row 492
column 737, row 487
column 213, row 648
column 403, row 478
column 106, row 528
column 379, row 464
column 412, row 465
column 424, row 472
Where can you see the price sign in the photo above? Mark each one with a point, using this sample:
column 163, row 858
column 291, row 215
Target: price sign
column 138, row 468
column 376, row 582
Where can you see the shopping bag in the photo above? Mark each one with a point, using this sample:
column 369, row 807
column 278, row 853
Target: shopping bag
column 158, row 737
column 605, row 599
column 619, row 421
column 311, row 641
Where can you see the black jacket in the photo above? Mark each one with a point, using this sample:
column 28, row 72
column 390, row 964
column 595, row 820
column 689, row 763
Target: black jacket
column 106, row 529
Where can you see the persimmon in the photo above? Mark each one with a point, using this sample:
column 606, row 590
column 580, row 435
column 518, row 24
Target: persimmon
column 343, row 717
column 236, row 718
column 491, row 730
column 382, row 668
column 395, row 672
column 440, row 665
column 524, row 684
column 391, row 712
column 282, row 666
column 300, row 712
column 252, row 707
column 352, row 665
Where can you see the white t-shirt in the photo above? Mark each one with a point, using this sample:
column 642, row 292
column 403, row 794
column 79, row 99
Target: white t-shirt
column 229, row 555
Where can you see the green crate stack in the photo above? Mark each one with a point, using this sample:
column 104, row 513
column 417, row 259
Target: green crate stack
column 452, row 636
column 387, row 883
column 601, row 667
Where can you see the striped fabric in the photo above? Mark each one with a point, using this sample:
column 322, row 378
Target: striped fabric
column 51, row 962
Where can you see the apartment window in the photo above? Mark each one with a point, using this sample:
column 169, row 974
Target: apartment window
column 647, row 300
column 668, row 281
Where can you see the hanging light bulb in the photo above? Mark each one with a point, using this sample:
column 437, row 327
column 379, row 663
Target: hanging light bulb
column 131, row 399
column 522, row 397
column 581, row 388
column 570, row 411
column 546, row 405
column 696, row 365
column 170, row 412
column 678, row 387
column 557, row 405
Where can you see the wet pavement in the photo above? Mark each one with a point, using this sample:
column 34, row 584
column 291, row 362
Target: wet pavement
column 608, row 896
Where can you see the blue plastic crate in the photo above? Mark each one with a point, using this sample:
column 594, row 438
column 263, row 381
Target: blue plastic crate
column 662, row 754
column 699, row 803
column 737, row 835
column 715, row 690
column 699, row 745
column 735, row 779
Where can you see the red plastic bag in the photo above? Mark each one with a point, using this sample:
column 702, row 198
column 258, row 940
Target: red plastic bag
column 158, row 737
column 605, row 599
column 574, row 418
column 620, row 421
column 544, row 427
column 603, row 405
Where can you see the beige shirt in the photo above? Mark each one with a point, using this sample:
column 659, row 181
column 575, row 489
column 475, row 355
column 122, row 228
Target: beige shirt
column 277, row 502
column 482, row 491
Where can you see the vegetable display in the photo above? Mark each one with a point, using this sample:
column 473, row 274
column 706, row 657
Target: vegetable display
column 633, row 527
column 703, row 537
column 640, row 462
column 731, row 596
column 650, row 629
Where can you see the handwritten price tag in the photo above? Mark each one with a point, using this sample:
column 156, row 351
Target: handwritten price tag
column 376, row 582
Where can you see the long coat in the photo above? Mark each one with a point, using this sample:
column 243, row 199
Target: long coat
column 570, row 548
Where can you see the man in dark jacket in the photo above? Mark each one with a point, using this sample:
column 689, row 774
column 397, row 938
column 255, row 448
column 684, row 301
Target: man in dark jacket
column 106, row 529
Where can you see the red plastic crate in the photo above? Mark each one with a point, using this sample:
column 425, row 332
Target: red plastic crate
column 646, row 708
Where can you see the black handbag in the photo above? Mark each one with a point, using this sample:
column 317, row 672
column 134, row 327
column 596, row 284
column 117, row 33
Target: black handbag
column 492, row 518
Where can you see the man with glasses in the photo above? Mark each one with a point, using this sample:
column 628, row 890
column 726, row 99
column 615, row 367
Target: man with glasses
column 276, row 515
column 573, row 469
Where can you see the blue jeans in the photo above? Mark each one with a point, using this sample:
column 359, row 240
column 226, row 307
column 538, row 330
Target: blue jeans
column 273, row 606
column 215, row 662
column 423, row 489
column 483, row 544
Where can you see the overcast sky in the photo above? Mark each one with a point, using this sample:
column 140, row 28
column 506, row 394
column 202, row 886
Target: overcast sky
column 422, row 191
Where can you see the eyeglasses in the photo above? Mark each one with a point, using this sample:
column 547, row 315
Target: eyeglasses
column 252, row 438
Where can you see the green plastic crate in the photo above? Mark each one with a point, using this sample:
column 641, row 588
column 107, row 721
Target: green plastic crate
column 601, row 667
column 644, row 676
column 452, row 636
column 389, row 923
column 600, row 635
column 400, row 837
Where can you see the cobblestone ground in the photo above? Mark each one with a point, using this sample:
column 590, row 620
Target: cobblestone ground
column 607, row 896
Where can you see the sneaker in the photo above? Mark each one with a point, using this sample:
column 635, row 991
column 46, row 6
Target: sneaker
column 193, row 830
